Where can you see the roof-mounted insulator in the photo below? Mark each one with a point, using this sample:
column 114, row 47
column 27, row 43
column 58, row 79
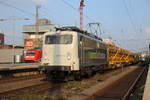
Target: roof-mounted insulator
column 76, row 29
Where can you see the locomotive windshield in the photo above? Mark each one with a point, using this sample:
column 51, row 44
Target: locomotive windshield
column 58, row 39
column 30, row 52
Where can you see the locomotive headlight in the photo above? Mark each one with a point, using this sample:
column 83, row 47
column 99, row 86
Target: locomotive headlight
column 68, row 56
column 45, row 58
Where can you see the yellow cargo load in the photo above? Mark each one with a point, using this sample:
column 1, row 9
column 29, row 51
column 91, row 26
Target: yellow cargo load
column 119, row 56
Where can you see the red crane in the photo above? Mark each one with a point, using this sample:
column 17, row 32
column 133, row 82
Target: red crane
column 81, row 13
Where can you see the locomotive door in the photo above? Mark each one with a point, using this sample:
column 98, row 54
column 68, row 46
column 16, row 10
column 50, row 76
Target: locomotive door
column 81, row 51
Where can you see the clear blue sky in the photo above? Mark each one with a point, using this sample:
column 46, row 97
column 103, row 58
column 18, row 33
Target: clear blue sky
column 126, row 21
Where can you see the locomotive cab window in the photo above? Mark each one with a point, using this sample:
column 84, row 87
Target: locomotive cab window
column 58, row 39
column 30, row 52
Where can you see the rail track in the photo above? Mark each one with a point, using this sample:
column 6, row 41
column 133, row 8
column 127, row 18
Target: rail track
column 10, row 89
column 36, row 85
column 37, row 88
column 121, row 89
column 26, row 87
column 20, row 78
column 21, row 85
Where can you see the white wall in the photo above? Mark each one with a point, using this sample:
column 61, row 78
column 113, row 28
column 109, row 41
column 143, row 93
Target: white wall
column 6, row 55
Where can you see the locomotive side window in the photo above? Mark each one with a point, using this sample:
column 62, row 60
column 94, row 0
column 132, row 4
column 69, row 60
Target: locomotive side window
column 58, row 39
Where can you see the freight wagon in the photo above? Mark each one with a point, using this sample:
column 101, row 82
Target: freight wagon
column 119, row 56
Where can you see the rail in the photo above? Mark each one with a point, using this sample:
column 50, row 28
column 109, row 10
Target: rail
column 125, row 84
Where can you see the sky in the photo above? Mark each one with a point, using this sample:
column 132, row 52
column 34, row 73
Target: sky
column 127, row 22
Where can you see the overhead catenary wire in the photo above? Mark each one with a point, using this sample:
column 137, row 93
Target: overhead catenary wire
column 46, row 10
column 32, row 14
column 14, row 7
column 76, row 9
column 133, row 23
column 136, row 22
column 46, row 14
column 129, row 15
column 70, row 5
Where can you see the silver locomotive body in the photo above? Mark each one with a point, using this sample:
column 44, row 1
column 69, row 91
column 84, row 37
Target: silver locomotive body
column 71, row 51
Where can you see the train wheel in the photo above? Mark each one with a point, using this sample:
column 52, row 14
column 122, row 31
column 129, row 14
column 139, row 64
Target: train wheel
column 77, row 76
column 70, row 77
column 89, row 73
column 48, row 76
column 103, row 69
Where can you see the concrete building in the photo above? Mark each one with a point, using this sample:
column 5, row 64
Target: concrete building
column 44, row 26
column 30, row 31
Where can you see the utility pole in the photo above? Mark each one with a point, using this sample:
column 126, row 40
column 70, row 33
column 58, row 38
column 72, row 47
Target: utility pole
column 37, row 40
column 13, row 41
column 81, row 14
column 37, row 19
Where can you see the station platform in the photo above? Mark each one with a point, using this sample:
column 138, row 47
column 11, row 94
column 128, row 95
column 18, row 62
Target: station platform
column 146, row 95
column 20, row 66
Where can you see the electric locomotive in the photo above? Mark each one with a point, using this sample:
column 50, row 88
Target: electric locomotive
column 69, row 51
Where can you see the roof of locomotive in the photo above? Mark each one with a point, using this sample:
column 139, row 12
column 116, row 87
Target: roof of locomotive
column 78, row 31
